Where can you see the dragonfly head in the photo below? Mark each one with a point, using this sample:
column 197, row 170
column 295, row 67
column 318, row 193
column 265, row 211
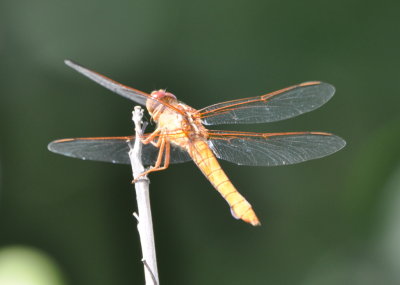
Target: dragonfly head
column 159, row 95
column 162, row 94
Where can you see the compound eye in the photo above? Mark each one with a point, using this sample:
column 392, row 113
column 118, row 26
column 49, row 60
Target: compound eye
column 162, row 93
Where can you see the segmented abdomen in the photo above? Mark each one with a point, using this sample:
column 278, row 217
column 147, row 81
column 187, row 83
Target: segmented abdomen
column 204, row 158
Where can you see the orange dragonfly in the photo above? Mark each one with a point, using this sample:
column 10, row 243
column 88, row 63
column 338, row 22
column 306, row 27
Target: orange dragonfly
column 180, row 134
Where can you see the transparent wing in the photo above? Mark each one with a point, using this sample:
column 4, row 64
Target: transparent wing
column 125, row 91
column 275, row 106
column 272, row 149
column 111, row 149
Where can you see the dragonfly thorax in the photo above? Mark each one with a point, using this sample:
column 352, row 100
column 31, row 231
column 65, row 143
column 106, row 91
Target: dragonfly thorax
column 191, row 123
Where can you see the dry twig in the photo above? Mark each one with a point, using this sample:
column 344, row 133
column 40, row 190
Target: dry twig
column 145, row 224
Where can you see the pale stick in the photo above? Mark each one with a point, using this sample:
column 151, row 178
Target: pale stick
column 145, row 224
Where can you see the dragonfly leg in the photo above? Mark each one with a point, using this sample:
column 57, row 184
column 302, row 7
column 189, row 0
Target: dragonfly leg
column 156, row 144
column 151, row 137
column 164, row 146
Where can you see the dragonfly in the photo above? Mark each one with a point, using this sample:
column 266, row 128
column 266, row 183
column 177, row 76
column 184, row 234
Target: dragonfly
column 180, row 135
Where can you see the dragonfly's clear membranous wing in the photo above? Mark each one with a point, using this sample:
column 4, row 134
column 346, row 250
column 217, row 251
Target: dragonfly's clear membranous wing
column 112, row 149
column 279, row 105
column 125, row 91
column 258, row 149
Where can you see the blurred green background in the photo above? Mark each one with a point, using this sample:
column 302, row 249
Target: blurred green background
column 330, row 221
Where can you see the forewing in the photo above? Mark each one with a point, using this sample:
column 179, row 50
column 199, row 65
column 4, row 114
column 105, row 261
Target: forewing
column 125, row 91
column 275, row 106
column 272, row 149
column 112, row 149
